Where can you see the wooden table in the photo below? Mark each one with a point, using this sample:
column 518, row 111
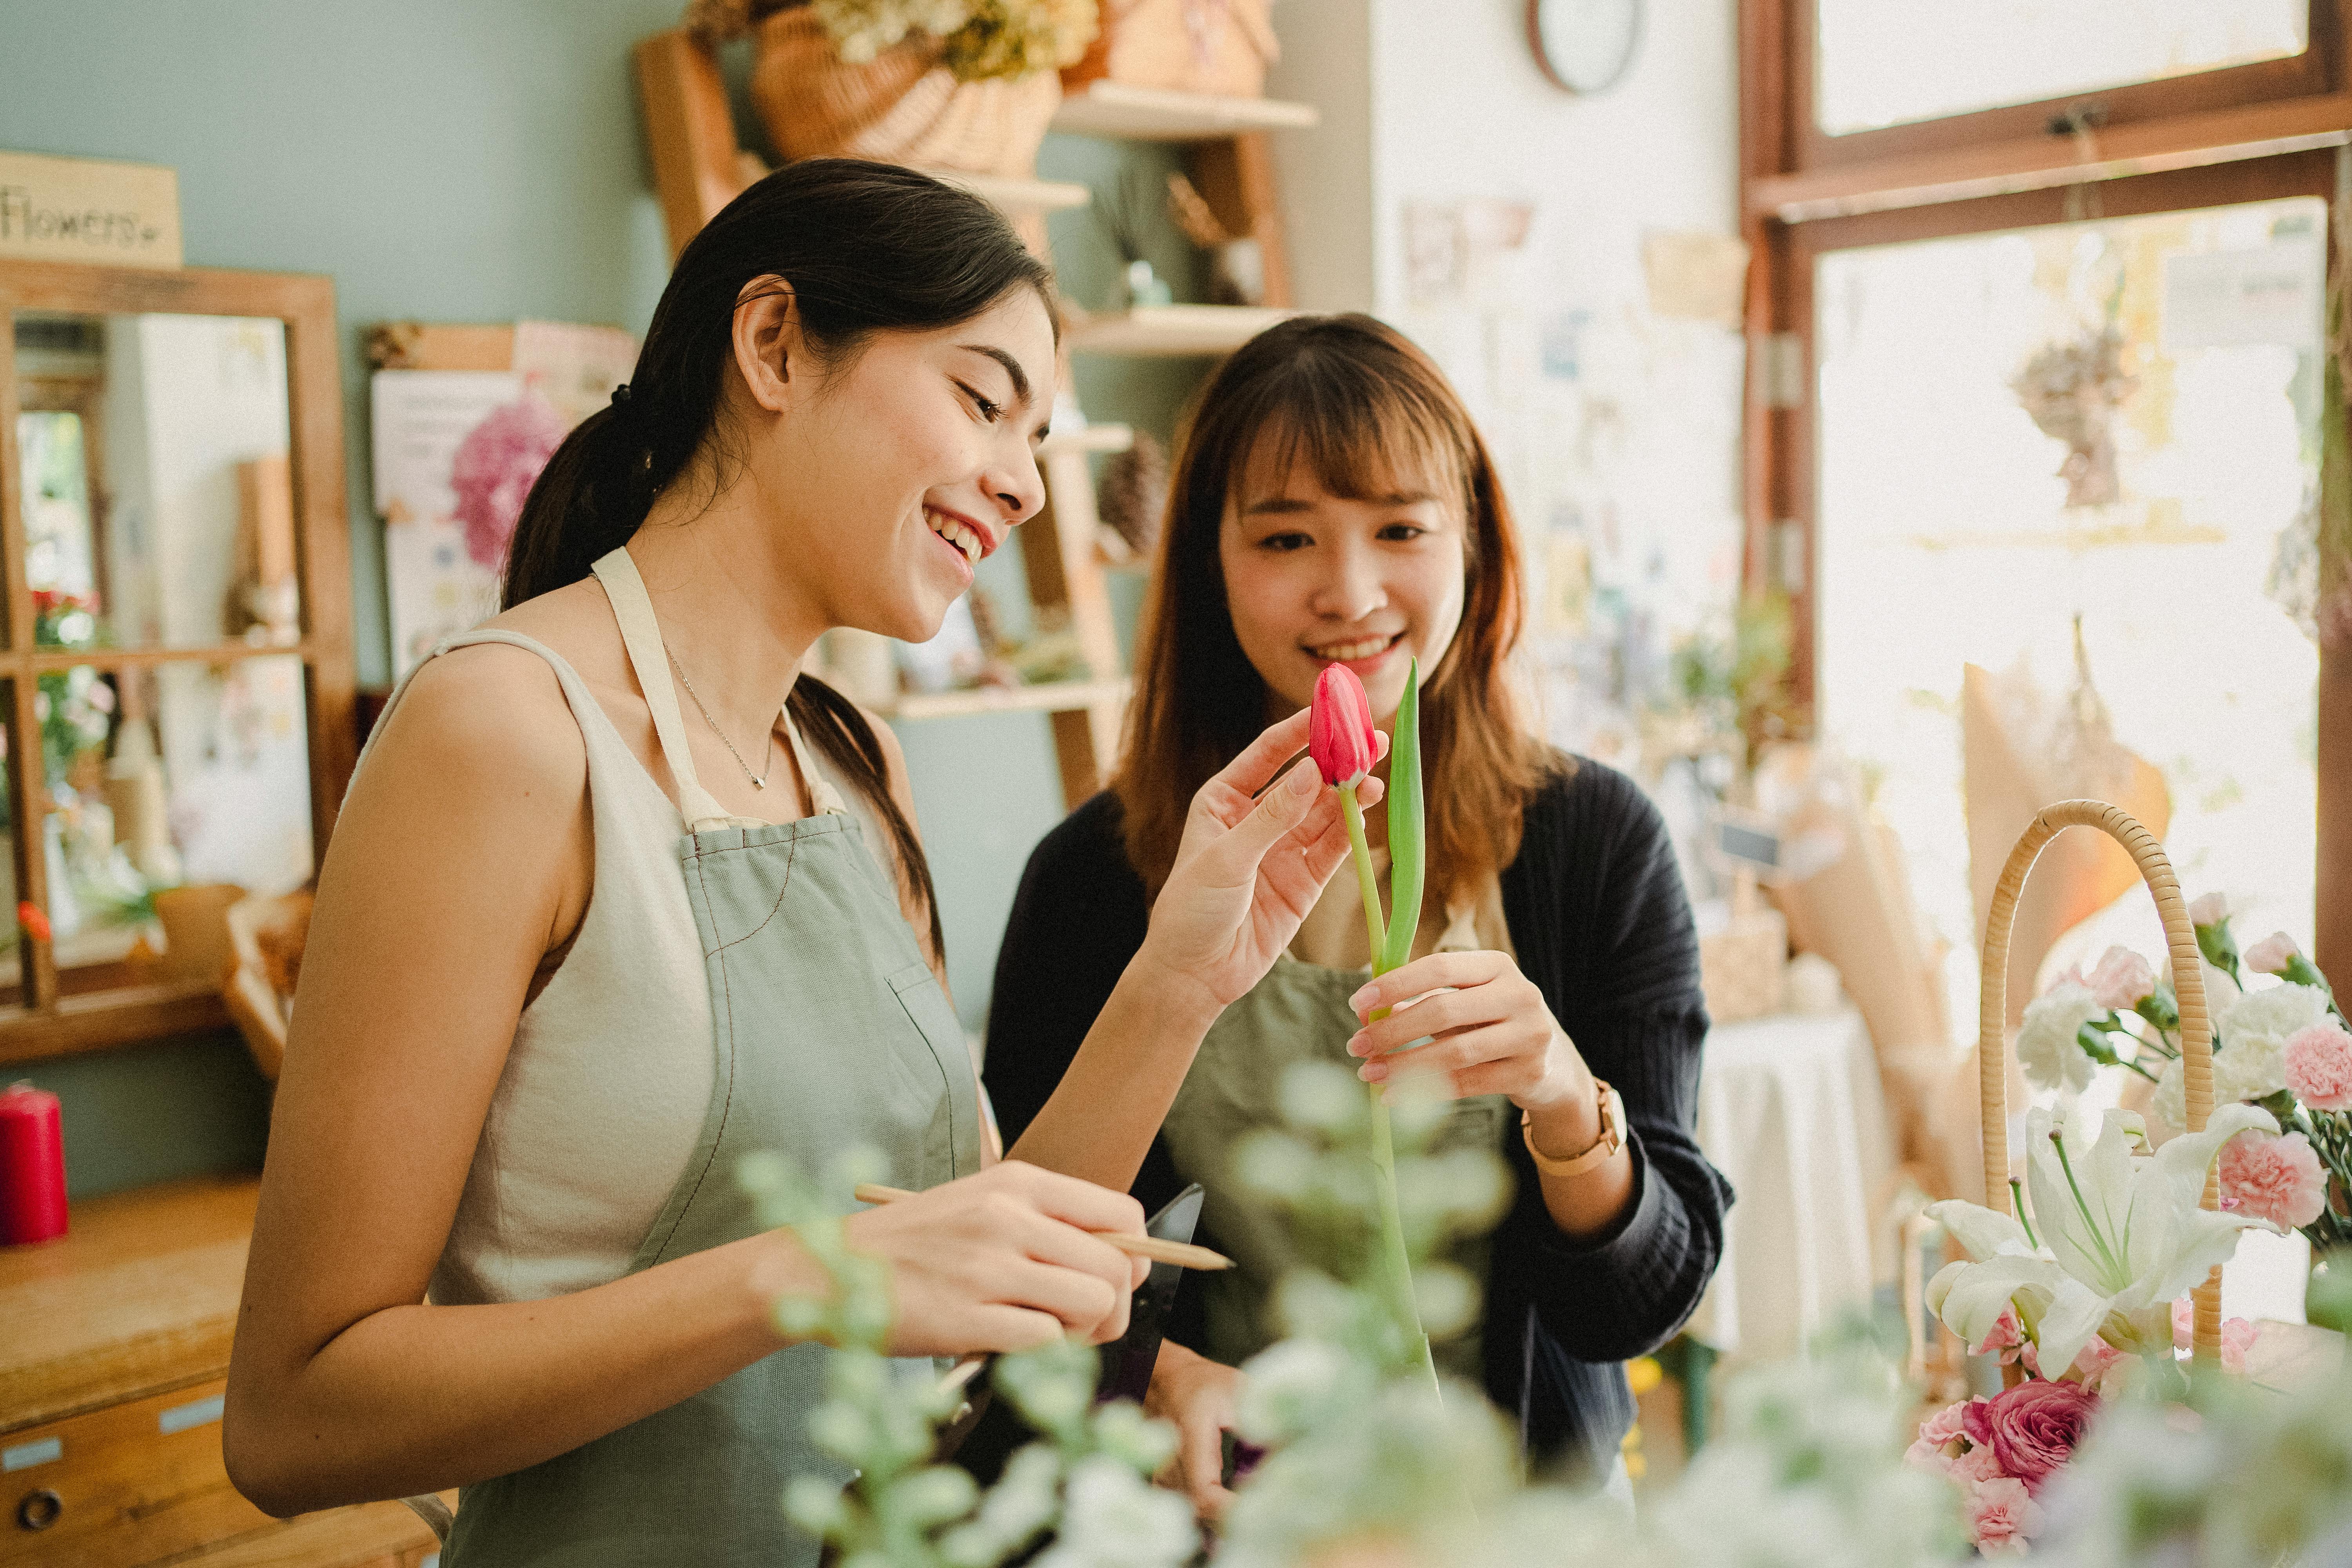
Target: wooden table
column 115, row 1346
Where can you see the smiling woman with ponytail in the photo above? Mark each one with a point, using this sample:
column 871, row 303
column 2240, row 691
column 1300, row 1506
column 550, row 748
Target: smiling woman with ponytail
column 619, row 895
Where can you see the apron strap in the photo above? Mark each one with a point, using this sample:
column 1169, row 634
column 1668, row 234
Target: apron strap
column 633, row 607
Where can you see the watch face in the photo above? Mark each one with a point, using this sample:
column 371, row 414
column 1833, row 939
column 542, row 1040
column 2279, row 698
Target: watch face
column 1584, row 45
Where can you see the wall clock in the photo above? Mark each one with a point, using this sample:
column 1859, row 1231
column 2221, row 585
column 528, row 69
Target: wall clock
column 1584, row 46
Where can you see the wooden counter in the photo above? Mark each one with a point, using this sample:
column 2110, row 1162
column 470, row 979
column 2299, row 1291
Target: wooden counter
column 114, row 1345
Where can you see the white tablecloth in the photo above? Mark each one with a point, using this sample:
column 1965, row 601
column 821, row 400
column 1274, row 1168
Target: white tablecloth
column 1790, row 1109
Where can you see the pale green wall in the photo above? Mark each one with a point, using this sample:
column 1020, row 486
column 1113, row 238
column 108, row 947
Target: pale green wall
column 459, row 161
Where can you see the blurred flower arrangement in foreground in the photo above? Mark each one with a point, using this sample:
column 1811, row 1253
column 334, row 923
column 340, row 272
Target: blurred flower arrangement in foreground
column 1368, row 1465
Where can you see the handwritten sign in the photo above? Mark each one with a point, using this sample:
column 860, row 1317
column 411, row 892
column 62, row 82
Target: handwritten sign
column 80, row 209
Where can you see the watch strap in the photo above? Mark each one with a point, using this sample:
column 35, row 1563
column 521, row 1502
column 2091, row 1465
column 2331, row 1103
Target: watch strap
column 1611, row 1139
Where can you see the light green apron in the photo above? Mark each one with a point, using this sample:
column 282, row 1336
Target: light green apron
column 1298, row 1012
column 829, row 1031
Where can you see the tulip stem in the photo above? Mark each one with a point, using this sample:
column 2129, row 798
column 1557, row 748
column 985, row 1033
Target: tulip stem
column 1394, row 1263
column 1367, row 883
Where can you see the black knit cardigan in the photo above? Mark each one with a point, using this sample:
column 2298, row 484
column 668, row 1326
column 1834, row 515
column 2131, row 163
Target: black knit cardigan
column 1597, row 912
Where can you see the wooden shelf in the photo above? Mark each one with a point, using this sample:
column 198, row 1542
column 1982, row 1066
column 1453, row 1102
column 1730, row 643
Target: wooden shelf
column 1155, row 114
column 1018, row 195
column 1052, row 697
column 1088, row 439
column 1173, row 330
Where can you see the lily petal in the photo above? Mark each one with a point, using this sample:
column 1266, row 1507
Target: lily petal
column 1985, row 1233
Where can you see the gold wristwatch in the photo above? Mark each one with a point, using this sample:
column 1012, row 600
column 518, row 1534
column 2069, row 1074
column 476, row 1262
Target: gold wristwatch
column 1611, row 1139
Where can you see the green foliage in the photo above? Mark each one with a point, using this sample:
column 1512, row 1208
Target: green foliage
column 881, row 1418
column 1408, row 850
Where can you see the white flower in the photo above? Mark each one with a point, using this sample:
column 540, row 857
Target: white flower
column 2209, row 911
column 2046, row 1048
column 2264, row 1020
column 2252, row 1063
column 2121, row 1237
column 1115, row 1518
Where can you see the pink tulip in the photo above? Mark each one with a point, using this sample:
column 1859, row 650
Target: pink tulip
column 2272, row 954
column 2319, row 1067
column 2275, row 1179
column 2209, row 911
column 1339, row 727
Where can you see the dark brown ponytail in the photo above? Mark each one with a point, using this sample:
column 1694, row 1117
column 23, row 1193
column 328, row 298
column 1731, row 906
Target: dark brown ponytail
column 867, row 247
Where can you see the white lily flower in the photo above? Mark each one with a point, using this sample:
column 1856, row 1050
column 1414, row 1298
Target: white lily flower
column 2120, row 1237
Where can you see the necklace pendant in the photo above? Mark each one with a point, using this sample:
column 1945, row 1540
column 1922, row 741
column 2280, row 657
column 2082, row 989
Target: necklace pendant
column 758, row 783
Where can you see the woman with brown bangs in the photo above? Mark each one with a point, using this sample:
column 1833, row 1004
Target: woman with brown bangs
column 1333, row 503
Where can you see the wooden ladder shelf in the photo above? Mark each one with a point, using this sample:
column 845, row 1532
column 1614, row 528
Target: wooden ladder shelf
column 699, row 165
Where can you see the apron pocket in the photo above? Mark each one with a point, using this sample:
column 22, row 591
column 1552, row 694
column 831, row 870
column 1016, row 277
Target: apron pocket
column 918, row 990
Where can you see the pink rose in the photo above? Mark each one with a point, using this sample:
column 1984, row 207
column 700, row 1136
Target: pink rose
column 2319, row 1067
column 494, row 469
column 2002, row 1515
column 2032, row 1428
column 2270, row 955
column 2209, row 911
column 2275, row 1179
column 2121, row 980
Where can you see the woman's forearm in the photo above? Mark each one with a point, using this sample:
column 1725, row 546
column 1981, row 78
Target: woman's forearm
column 420, row 1398
column 1588, row 1202
column 1100, row 1120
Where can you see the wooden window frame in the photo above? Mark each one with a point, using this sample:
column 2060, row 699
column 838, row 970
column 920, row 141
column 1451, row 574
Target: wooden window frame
column 2318, row 72
column 107, row 1005
column 2247, row 133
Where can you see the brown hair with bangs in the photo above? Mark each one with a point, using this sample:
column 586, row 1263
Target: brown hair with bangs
column 1357, row 401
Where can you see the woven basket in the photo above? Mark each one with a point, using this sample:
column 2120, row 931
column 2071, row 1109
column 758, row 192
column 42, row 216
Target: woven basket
column 2189, row 987
column 901, row 107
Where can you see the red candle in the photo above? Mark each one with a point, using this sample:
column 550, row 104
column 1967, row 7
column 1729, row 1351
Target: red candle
column 32, row 1166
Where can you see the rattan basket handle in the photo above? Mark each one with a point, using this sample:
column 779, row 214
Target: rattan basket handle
column 2189, row 988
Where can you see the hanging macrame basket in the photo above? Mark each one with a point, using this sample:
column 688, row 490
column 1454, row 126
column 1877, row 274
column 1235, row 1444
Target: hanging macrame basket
column 2189, row 988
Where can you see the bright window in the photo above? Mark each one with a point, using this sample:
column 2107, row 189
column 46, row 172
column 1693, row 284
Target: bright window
column 1947, row 536
column 1892, row 62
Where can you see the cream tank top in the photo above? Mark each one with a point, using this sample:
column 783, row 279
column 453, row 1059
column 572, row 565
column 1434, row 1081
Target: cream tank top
column 609, row 1076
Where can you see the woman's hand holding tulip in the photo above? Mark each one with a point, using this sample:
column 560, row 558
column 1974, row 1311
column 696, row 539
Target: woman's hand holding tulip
column 1253, row 861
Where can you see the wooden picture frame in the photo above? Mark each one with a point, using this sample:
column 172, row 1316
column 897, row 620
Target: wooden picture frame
column 110, row 1005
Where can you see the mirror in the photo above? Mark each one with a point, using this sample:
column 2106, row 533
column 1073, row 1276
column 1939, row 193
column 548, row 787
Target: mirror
column 159, row 508
column 176, row 664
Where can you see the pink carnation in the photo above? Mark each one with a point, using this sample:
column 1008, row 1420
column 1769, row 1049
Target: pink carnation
column 2209, row 911
column 2270, row 955
column 2092, row 1367
column 2033, row 1427
column 2238, row 1335
column 494, row 469
column 1931, row 1449
column 2122, row 979
column 2002, row 1515
column 2275, row 1179
column 2319, row 1067
column 2004, row 1336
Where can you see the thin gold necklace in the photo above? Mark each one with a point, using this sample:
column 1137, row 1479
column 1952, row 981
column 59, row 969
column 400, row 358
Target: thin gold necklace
column 759, row 781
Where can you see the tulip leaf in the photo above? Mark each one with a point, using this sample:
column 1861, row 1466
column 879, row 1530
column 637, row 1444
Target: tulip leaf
column 1406, row 847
